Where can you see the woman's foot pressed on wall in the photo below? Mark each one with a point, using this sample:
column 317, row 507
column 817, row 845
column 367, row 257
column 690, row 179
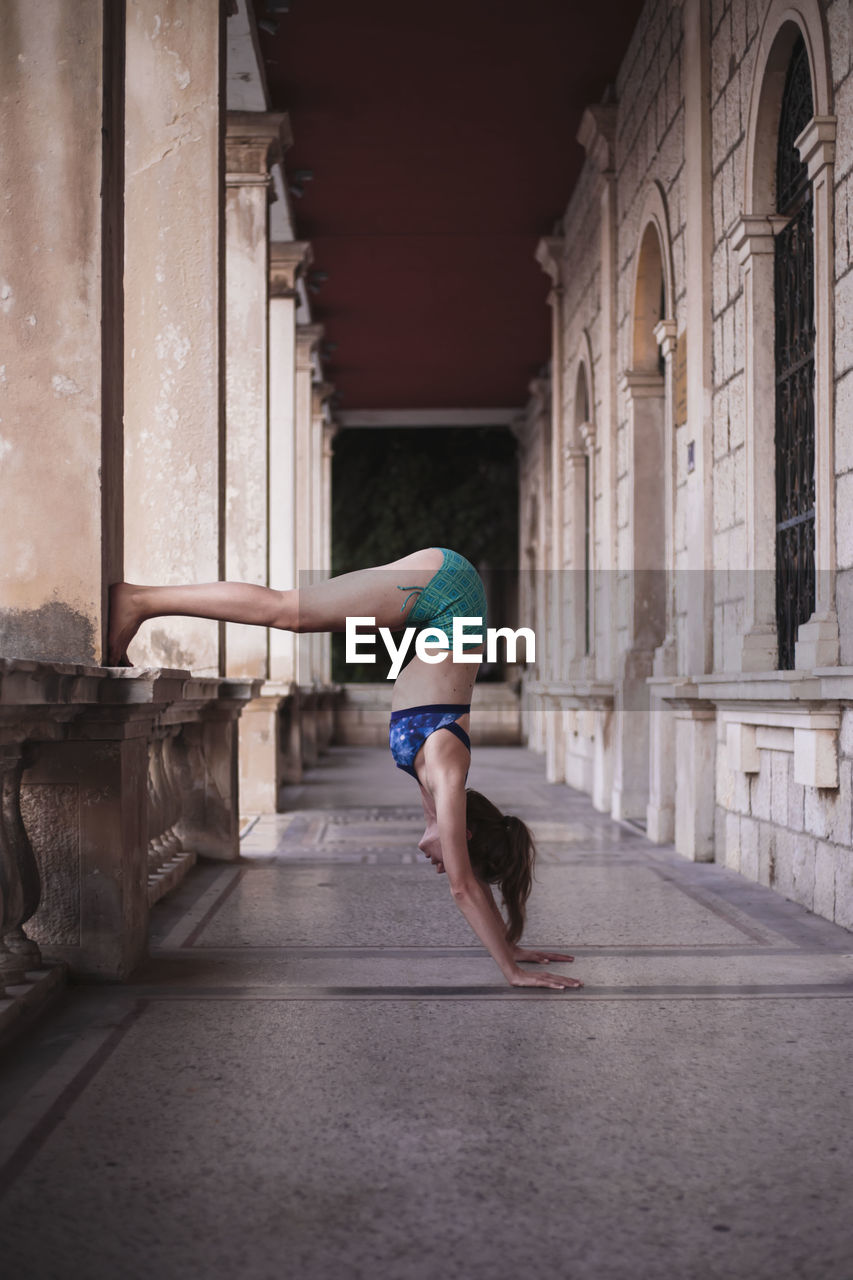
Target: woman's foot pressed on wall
column 123, row 626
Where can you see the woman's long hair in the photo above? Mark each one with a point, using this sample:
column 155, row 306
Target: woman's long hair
column 502, row 852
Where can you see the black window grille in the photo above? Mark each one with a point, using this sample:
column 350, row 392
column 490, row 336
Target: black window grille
column 795, row 342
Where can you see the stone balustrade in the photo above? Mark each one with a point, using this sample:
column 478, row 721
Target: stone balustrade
column 112, row 783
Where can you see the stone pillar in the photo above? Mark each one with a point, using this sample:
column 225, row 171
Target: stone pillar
column 660, row 812
column 549, row 255
column 818, row 640
column 575, row 461
column 254, row 141
column 287, row 261
column 695, row 793
column 330, row 430
column 753, row 240
column 698, row 232
column 62, row 96
column 307, row 450
column 270, row 740
column 645, row 597
column 588, row 436
column 174, row 391
column 596, row 135
column 320, row 518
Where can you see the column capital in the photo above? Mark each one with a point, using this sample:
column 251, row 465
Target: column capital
column 816, row 144
column 308, row 338
column 330, row 431
column 288, row 261
column 574, row 455
column 596, row 133
column 320, row 393
column 254, row 142
column 665, row 332
column 586, row 431
column 549, row 255
column 754, row 234
column 540, row 394
column 638, row 384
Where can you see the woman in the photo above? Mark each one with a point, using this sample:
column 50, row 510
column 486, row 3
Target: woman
column 466, row 837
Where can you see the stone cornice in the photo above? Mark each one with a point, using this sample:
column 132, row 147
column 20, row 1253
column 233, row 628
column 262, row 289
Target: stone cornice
column 254, row 142
column 596, row 133
column 288, row 261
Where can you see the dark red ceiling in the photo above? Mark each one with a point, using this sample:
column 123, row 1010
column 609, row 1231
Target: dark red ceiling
column 442, row 141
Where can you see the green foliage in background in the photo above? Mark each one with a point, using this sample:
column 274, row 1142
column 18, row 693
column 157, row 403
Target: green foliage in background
column 397, row 489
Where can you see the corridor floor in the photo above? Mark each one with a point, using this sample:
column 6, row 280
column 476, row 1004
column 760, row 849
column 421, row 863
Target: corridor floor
column 320, row 1074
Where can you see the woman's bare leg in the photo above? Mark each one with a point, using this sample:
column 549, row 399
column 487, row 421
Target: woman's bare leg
column 323, row 607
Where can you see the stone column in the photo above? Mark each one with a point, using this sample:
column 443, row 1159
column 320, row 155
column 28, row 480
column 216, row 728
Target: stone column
column 753, row 240
column 644, row 597
column 660, row 812
column 321, row 518
column 575, row 461
column 270, row 740
column 549, row 255
column 287, row 261
column 174, row 390
column 818, row 640
column 61, row 162
column 588, row 436
column 698, row 232
column 330, row 430
column 254, row 141
column 596, row 135
column 308, row 338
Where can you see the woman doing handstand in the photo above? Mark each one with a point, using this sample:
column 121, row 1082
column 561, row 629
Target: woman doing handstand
column 466, row 836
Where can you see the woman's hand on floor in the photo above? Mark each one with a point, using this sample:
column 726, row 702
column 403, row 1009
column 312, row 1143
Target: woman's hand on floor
column 522, row 978
column 522, row 956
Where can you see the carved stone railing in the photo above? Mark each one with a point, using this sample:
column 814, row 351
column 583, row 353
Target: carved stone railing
column 111, row 784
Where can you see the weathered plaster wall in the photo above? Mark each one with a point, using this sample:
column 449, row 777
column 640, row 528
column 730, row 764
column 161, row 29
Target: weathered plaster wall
column 173, row 355
column 57, row 271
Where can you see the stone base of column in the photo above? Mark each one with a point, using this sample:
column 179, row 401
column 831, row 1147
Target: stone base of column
column 695, row 774
column 326, row 701
column 817, row 644
column 276, row 730
column 555, row 761
column 630, row 795
column 759, row 650
column 261, row 751
column 308, row 717
column 602, row 762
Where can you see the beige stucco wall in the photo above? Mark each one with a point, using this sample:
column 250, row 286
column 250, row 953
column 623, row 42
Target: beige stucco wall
column 57, row 374
column 173, row 289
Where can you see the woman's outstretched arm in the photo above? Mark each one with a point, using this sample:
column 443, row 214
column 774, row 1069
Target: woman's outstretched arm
column 473, row 898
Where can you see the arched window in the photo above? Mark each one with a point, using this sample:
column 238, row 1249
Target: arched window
column 795, row 365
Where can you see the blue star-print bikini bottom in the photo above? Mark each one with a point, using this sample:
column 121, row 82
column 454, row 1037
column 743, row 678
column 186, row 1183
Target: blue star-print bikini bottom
column 411, row 727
